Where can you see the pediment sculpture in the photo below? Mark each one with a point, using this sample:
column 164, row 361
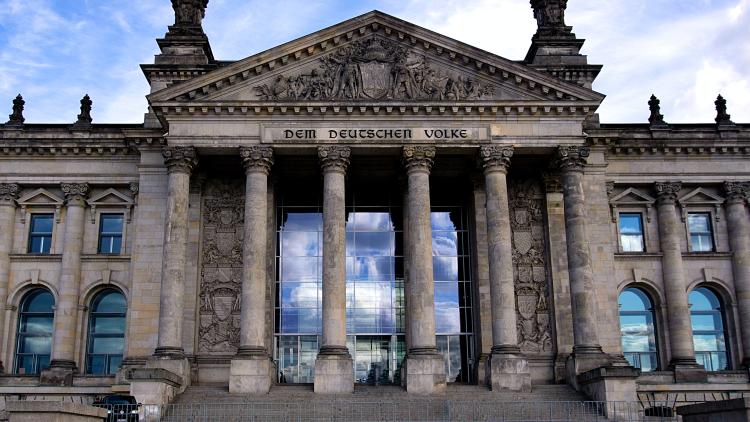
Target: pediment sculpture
column 374, row 69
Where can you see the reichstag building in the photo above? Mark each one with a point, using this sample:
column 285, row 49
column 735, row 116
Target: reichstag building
column 375, row 204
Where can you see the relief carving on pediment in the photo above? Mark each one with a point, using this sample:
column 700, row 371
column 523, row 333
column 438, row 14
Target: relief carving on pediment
column 221, row 267
column 374, row 69
column 530, row 266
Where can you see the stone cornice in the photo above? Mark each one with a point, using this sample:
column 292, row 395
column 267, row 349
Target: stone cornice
column 334, row 158
column 571, row 157
column 666, row 192
column 180, row 159
column 257, row 158
column 495, row 157
column 265, row 109
column 418, row 157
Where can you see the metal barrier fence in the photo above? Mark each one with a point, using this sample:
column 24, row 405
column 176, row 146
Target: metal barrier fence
column 426, row 410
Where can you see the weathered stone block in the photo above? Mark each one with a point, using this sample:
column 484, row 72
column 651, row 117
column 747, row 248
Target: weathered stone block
column 53, row 411
column 424, row 374
column 251, row 376
column 334, row 374
column 509, row 372
column 735, row 410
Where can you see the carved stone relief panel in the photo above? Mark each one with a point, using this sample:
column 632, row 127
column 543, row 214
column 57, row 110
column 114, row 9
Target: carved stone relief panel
column 375, row 69
column 530, row 266
column 221, row 269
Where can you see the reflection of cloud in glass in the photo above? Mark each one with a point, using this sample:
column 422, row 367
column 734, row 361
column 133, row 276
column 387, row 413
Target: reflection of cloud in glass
column 37, row 345
column 709, row 343
column 445, row 268
column 297, row 243
column 637, row 344
column 444, row 244
column 369, row 221
column 441, row 221
column 300, row 269
column 447, row 320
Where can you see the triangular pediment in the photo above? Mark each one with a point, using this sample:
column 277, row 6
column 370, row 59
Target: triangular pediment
column 375, row 58
column 111, row 197
column 632, row 196
column 700, row 196
column 40, row 196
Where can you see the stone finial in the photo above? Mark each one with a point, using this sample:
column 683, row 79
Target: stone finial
column 656, row 119
column 189, row 12
column 9, row 192
column 334, row 157
column 495, row 157
column 550, row 15
column 180, row 159
column 571, row 157
column 667, row 191
column 84, row 119
column 722, row 118
column 418, row 157
column 257, row 158
column 16, row 118
column 737, row 191
column 75, row 193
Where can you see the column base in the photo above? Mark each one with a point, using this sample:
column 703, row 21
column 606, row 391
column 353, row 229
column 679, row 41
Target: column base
column 59, row 374
column 688, row 370
column 509, row 372
column 584, row 359
column 169, row 352
column 424, row 373
column 334, row 371
column 251, row 374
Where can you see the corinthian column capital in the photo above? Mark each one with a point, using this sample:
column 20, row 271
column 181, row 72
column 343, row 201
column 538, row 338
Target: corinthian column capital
column 334, row 157
column 495, row 157
column 75, row 193
column 418, row 157
column 257, row 158
column 180, row 159
column 737, row 191
column 9, row 192
column 666, row 192
column 571, row 157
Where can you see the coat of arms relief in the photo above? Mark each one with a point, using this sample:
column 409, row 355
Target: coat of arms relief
column 530, row 266
column 375, row 69
column 221, row 268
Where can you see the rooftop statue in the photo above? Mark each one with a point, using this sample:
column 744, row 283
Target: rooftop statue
column 189, row 12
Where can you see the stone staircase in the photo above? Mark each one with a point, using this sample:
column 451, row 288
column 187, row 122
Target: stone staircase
column 390, row 403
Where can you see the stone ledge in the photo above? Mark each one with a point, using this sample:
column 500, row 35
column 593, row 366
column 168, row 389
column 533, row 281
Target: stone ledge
column 715, row 407
column 155, row 374
column 608, row 372
column 37, row 407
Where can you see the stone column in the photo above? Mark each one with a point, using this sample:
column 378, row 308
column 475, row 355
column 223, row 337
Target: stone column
column 334, row 370
column 180, row 162
column 678, row 312
column 738, row 226
column 8, row 195
column 425, row 368
column 587, row 353
column 252, row 370
column 63, row 362
column 509, row 368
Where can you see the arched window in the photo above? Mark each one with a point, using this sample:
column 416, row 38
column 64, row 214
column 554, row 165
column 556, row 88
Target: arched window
column 637, row 330
column 709, row 329
column 34, row 338
column 106, row 340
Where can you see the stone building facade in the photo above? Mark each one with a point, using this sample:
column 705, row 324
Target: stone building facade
column 374, row 203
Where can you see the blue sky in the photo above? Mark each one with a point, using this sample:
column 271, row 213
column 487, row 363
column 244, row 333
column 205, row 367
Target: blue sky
column 684, row 51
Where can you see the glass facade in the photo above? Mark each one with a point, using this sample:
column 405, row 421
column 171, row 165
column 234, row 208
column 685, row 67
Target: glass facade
column 709, row 329
column 637, row 331
column 106, row 339
column 374, row 291
column 34, row 338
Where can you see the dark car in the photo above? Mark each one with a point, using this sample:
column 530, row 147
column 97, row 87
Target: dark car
column 120, row 408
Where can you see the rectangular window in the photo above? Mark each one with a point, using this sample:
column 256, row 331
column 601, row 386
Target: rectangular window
column 701, row 236
column 110, row 234
column 40, row 233
column 631, row 232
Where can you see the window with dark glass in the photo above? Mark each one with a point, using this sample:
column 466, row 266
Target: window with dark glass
column 701, row 236
column 709, row 329
column 110, row 234
column 106, row 339
column 40, row 233
column 631, row 232
column 34, row 338
column 637, row 330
